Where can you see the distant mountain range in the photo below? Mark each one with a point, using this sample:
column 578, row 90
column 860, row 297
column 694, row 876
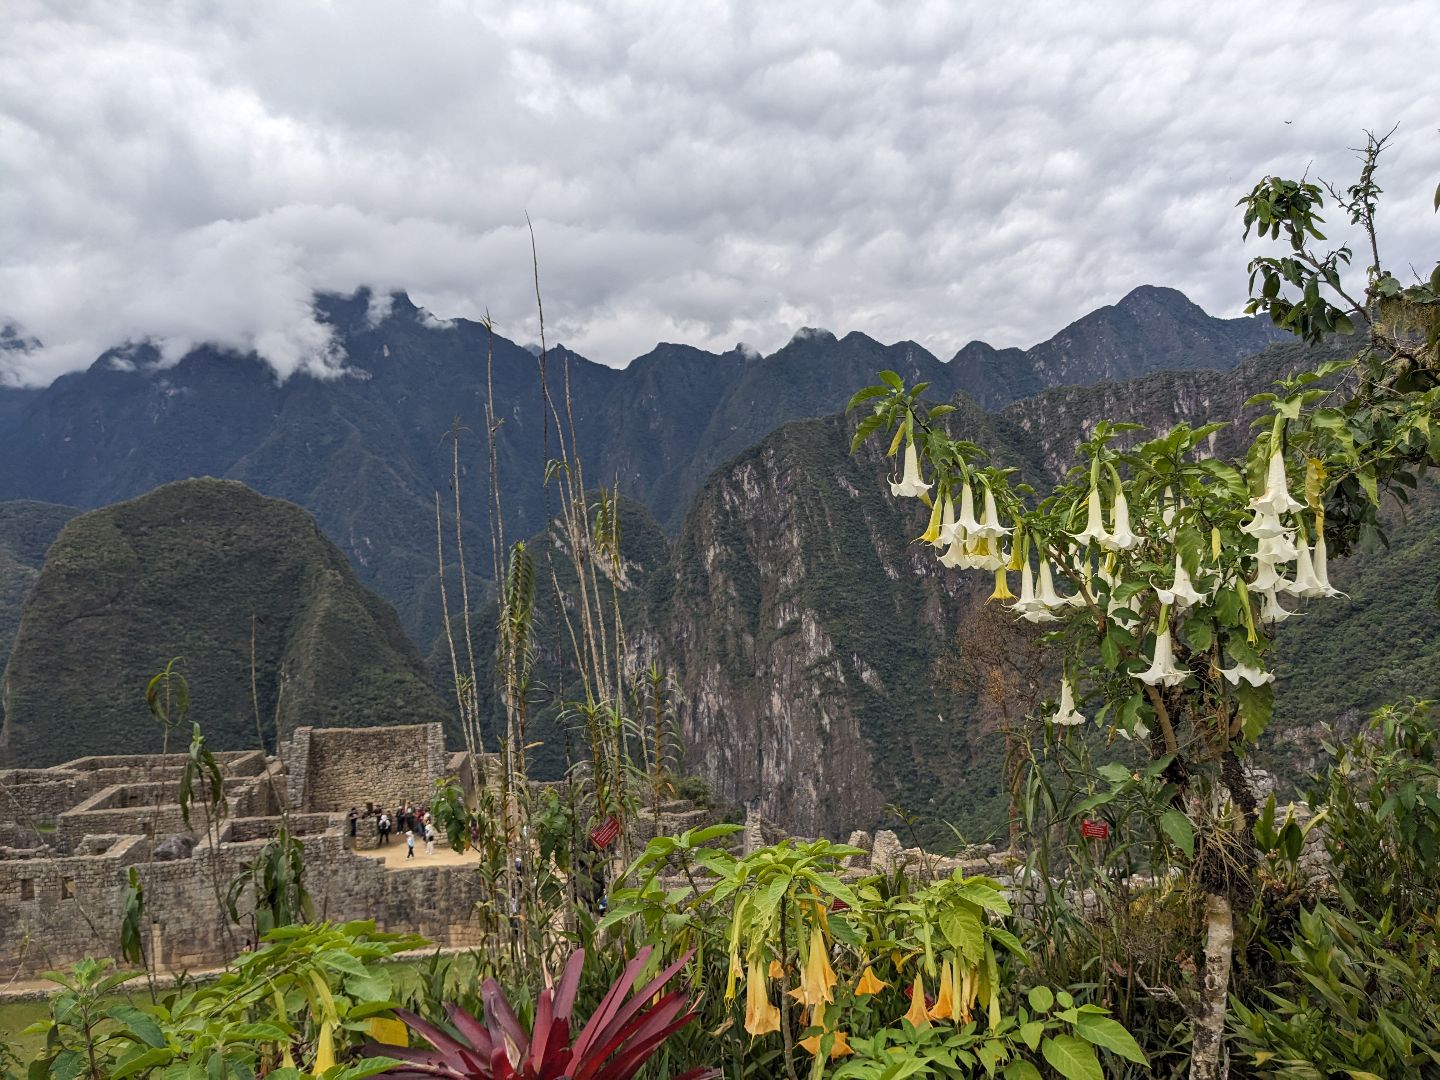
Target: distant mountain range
column 765, row 566
column 365, row 452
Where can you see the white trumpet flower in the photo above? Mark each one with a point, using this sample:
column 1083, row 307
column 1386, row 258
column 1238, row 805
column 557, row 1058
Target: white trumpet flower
column 1305, row 583
column 1271, row 611
column 1094, row 521
column 1322, row 574
column 947, row 524
column 1183, row 593
column 1045, row 589
column 1030, row 607
column 1162, row 670
column 1084, row 579
column 1264, row 525
column 1252, row 675
column 1279, row 548
column 910, row 484
column 990, row 523
column 1066, row 714
column 966, row 520
column 1275, row 499
column 1120, row 538
column 1267, row 577
column 954, row 556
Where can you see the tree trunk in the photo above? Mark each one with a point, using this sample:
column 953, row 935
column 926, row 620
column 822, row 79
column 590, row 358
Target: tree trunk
column 1205, row 1059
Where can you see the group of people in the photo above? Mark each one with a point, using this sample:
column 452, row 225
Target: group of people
column 414, row 823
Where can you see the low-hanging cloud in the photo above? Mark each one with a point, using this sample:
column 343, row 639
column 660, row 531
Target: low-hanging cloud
column 698, row 172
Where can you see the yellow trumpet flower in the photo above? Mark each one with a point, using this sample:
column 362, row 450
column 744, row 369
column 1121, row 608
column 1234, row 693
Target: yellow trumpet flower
column 869, row 983
column 761, row 1017
column 1002, row 588
column 818, row 978
column 945, row 1004
column 917, row 1014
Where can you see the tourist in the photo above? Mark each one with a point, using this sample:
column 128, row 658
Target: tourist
column 409, row 843
column 429, row 837
column 383, row 828
column 354, row 823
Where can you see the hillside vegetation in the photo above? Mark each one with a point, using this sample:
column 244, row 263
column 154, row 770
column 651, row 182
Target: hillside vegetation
column 191, row 570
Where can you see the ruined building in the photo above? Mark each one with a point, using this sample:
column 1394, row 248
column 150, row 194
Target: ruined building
column 70, row 834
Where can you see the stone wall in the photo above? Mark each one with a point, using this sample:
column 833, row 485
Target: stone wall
column 333, row 769
column 54, row 911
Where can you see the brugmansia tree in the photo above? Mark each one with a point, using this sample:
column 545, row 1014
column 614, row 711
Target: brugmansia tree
column 1161, row 572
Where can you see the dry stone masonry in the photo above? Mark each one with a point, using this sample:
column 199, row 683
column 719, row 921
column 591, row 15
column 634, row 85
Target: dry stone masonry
column 70, row 834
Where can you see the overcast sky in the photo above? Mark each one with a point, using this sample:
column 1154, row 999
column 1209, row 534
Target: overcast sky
column 697, row 172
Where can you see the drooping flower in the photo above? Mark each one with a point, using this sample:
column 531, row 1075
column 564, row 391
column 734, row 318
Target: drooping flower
column 966, row 520
column 1045, row 588
column 916, row 1013
column 1322, row 573
column 869, row 983
column 1030, row 607
column 954, row 555
column 761, row 1016
column 931, row 535
column 1264, row 525
column 1252, row 675
column 1085, row 577
column 947, row 523
column 1121, row 538
column 817, row 980
column 1275, row 499
column 945, row 1003
column 1267, row 576
column 1278, row 548
column 1066, row 714
column 1271, row 610
column 1002, row 587
column 1183, row 593
column 1162, row 670
column 910, row 484
column 1094, row 521
column 1305, row 583
column 839, row 1047
column 990, row 523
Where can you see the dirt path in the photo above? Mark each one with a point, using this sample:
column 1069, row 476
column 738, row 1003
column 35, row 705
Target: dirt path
column 393, row 856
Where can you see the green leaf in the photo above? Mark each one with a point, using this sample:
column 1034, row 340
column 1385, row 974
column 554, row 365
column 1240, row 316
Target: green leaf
column 962, row 929
column 140, row 1063
column 1110, row 1034
column 141, row 1025
column 893, row 379
column 1114, row 772
column 1041, row 999
column 1256, row 704
column 1072, row 1058
column 1020, row 1069
column 988, row 897
column 1031, row 1033
column 1177, row 826
column 865, row 395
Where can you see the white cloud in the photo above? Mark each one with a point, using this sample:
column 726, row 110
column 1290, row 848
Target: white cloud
column 703, row 172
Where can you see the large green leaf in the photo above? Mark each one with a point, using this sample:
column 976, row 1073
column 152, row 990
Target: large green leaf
column 1072, row 1058
column 1182, row 834
column 962, row 929
column 1111, row 1034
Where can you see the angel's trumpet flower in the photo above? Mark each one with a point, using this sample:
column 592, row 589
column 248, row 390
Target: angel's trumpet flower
column 910, row 484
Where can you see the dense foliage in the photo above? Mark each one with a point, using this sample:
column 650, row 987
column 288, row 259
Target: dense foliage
column 194, row 569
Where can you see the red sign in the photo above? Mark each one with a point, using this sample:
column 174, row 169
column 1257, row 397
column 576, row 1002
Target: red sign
column 1095, row 830
column 602, row 836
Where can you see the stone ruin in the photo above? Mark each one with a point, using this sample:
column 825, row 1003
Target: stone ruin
column 70, row 834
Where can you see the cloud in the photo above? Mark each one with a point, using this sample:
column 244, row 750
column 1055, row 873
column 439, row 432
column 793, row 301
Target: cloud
column 703, row 172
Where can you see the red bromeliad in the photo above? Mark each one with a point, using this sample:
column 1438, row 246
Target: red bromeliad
column 618, row 1039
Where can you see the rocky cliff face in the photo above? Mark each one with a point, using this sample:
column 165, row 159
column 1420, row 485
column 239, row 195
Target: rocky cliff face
column 805, row 624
